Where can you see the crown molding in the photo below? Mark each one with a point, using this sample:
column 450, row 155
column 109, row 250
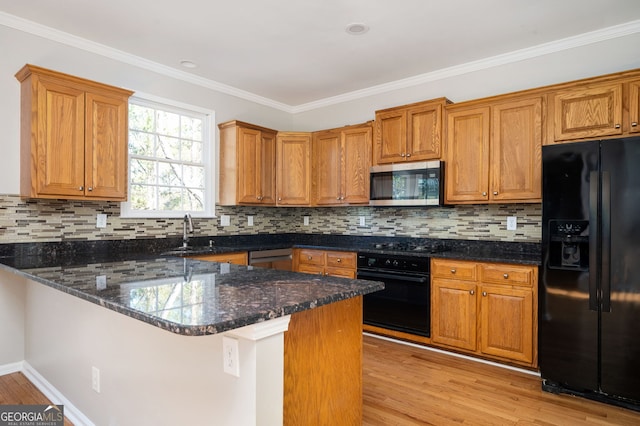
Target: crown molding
column 49, row 33
column 604, row 34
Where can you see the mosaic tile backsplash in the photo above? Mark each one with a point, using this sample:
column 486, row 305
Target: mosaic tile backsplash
column 63, row 220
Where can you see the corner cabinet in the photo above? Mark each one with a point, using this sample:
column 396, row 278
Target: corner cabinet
column 73, row 137
column 293, row 169
column 487, row 309
column 247, row 164
column 494, row 151
column 341, row 163
column 409, row 133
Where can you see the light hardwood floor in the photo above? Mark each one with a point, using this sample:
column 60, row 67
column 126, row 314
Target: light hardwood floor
column 15, row 388
column 405, row 385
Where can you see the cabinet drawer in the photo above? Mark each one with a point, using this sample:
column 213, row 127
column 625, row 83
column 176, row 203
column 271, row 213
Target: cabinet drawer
column 341, row 259
column 311, row 269
column 341, row 272
column 507, row 274
column 459, row 270
column 311, row 257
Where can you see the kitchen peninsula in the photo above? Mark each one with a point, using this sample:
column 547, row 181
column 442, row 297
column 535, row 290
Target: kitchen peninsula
column 161, row 362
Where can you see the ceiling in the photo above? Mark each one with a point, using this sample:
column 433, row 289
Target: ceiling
column 297, row 52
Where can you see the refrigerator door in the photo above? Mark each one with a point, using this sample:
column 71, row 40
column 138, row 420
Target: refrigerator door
column 620, row 350
column 568, row 323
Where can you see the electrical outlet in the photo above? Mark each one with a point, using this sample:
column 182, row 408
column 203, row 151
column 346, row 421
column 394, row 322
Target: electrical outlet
column 101, row 220
column 363, row 221
column 101, row 282
column 230, row 356
column 225, row 220
column 249, row 220
column 512, row 223
column 306, row 221
column 95, row 379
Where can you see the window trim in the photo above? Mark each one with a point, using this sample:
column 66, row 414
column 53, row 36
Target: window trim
column 209, row 159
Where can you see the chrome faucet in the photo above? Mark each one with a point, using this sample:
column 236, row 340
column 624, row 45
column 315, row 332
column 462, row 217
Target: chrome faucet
column 187, row 228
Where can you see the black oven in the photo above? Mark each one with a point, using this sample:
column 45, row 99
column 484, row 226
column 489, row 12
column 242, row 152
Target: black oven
column 405, row 303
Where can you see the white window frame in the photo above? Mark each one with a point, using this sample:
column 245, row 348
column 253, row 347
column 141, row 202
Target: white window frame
column 209, row 162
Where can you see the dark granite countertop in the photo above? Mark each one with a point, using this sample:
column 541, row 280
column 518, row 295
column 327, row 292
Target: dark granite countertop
column 185, row 296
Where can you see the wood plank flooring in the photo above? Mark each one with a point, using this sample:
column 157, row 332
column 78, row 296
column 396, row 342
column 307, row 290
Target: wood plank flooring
column 15, row 388
column 405, row 385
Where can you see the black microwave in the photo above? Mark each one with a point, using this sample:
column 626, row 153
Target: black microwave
column 407, row 184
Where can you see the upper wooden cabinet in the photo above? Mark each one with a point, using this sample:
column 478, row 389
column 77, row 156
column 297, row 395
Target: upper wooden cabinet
column 73, row 137
column 293, row 169
column 247, row 164
column 409, row 133
column 341, row 163
column 494, row 151
column 634, row 106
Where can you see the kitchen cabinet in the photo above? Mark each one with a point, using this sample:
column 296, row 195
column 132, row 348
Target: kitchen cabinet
column 325, row 262
column 494, row 151
column 634, row 106
column 409, row 133
column 237, row 258
column 487, row 309
column 247, row 164
column 73, row 137
column 293, row 169
column 341, row 163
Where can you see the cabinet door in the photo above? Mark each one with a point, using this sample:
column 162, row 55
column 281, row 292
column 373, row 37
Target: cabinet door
column 356, row 162
column 327, row 148
column 634, row 107
column 516, row 151
column 423, row 132
column 249, row 166
column 293, row 177
column 267, row 164
column 59, row 164
column 453, row 313
column 506, row 323
column 587, row 112
column 467, row 171
column 106, row 146
column 391, row 137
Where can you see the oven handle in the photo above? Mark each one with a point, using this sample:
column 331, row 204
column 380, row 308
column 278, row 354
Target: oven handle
column 367, row 274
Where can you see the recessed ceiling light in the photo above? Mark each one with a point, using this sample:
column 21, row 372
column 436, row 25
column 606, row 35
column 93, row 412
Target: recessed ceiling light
column 188, row 64
column 357, row 28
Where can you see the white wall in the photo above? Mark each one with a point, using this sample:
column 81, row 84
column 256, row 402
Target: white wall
column 619, row 54
column 12, row 299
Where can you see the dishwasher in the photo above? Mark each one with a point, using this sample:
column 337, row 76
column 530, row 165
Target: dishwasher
column 274, row 259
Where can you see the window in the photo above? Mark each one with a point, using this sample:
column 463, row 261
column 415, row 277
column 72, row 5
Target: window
column 170, row 161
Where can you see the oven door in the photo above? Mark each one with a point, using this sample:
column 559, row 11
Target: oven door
column 403, row 305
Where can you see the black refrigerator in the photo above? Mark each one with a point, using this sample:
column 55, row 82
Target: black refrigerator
column 589, row 299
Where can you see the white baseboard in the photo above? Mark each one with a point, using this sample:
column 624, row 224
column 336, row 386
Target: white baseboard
column 43, row 385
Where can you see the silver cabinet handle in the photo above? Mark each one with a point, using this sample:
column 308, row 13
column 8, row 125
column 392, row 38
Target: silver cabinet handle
column 617, row 126
column 472, row 292
column 90, row 188
column 309, row 257
column 453, row 271
column 495, row 192
column 506, row 276
column 409, row 155
column 81, row 188
column 339, row 260
column 484, row 293
column 279, row 199
column 484, row 194
column 634, row 124
column 403, row 155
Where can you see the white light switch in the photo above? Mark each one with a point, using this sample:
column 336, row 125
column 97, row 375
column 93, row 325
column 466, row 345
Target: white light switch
column 512, row 223
column 101, row 220
column 306, row 221
column 249, row 220
column 363, row 221
column 101, row 282
column 225, row 220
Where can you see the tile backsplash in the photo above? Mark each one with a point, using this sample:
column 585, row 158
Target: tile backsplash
column 64, row 220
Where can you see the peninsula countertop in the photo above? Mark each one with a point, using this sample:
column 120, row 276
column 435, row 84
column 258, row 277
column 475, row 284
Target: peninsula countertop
column 186, row 296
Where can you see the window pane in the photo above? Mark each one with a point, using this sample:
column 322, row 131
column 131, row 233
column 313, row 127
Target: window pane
column 143, row 171
column 170, row 198
column 140, row 143
column 168, row 123
column 143, row 197
column 192, row 151
column 169, row 174
column 191, row 128
column 194, row 200
column 168, row 148
column 193, row 176
column 141, row 118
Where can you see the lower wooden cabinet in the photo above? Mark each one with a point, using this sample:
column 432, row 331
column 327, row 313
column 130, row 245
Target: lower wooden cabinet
column 325, row 262
column 237, row 258
column 488, row 309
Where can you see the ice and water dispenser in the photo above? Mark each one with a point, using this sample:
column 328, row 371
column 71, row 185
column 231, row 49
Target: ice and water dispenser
column 569, row 244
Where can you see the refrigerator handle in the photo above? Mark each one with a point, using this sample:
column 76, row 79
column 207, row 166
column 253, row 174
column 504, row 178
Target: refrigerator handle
column 593, row 241
column 606, row 242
